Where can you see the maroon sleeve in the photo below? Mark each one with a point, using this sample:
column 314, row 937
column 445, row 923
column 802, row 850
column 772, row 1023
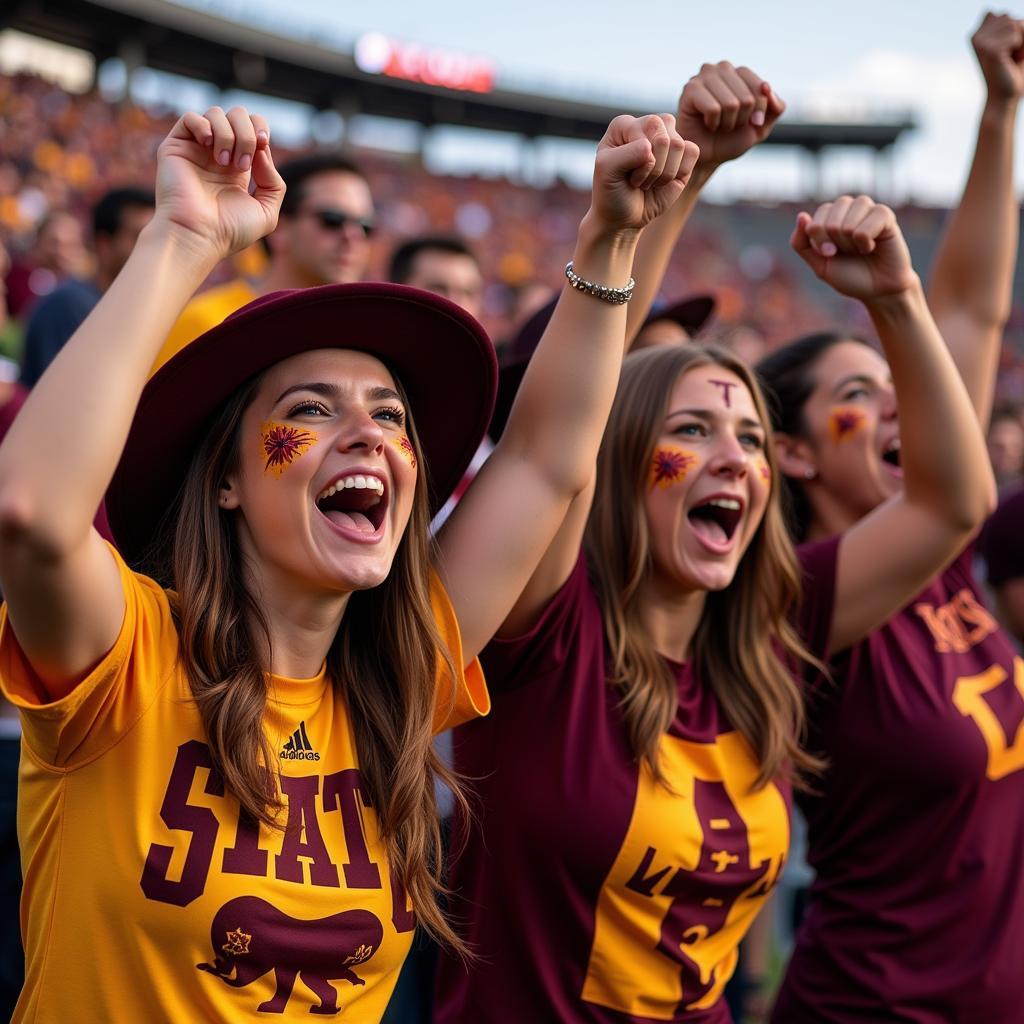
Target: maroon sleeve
column 814, row 616
column 545, row 651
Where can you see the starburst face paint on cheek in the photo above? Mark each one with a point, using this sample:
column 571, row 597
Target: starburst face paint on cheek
column 845, row 422
column 763, row 469
column 404, row 445
column 670, row 466
column 282, row 445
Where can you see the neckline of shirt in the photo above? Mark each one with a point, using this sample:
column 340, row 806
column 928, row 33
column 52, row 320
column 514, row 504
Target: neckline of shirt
column 289, row 692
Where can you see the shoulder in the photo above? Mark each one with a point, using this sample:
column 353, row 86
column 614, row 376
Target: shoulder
column 206, row 310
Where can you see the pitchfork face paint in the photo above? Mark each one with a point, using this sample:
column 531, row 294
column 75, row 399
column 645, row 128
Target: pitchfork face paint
column 725, row 386
column 283, row 444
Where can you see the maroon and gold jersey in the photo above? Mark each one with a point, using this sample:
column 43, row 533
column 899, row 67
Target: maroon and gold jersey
column 148, row 897
column 590, row 891
column 917, row 836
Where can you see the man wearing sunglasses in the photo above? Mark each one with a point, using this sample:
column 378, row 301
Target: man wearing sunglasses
column 322, row 237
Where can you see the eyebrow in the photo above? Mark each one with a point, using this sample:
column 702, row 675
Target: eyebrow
column 854, row 378
column 707, row 414
column 325, row 390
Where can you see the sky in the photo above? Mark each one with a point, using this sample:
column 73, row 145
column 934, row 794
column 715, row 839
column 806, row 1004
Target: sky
column 871, row 58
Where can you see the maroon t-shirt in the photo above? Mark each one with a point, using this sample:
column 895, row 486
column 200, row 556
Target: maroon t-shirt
column 590, row 892
column 917, row 836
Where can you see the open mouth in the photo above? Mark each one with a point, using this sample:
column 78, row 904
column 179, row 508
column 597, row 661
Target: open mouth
column 716, row 518
column 891, row 453
column 355, row 501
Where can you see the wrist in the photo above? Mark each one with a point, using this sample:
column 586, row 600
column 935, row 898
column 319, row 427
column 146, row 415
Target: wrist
column 595, row 234
column 999, row 109
column 603, row 255
column 899, row 304
column 195, row 256
column 703, row 170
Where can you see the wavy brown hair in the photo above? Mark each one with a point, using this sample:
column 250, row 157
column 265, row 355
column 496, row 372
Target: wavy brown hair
column 745, row 646
column 386, row 659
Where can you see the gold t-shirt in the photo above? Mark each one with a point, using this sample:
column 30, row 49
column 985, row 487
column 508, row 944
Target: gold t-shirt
column 146, row 898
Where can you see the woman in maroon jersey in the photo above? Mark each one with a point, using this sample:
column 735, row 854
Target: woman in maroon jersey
column 917, row 830
column 633, row 779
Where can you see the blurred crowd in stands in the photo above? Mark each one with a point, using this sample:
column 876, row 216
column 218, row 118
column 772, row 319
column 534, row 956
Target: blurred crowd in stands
column 59, row 152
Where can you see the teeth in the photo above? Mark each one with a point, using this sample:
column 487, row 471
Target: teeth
column 357, row 481
column 729, row 503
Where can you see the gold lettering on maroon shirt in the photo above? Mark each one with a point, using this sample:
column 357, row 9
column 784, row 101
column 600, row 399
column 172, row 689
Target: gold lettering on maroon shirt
column 1005, row 754
column 959, row 624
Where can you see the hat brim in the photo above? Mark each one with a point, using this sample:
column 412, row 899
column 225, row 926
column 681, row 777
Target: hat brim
column 691, row 314
column 440, row 354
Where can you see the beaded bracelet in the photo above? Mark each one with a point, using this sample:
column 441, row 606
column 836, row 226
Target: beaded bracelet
column 617, row 296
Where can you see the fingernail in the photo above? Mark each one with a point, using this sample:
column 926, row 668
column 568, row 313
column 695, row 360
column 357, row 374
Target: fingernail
column 224, row 157
column 828, row 249
column 243, row 162
column 757, row 118
column 262, row 137
column 208, row 141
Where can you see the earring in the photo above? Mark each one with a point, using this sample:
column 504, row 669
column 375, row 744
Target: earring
column 809, row 474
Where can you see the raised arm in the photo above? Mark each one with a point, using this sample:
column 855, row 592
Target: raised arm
column 886, row 557
column 971, row 287
column 500, row 531
column 726, row 111
column 64, row 595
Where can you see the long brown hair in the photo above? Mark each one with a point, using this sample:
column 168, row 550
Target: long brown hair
column 744, row 642
column 386, row 658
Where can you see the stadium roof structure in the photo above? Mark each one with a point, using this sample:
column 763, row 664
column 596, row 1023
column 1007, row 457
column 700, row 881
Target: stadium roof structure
column 200, row 45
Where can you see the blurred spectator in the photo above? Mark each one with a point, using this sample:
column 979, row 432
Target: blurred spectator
column 59, row 253
column 1006, row 445
column 675, row 322
column 442, row 264
column 12, row 397
column 117, row 220
column 322, row 237
column 10, row 333
column 1001, row 545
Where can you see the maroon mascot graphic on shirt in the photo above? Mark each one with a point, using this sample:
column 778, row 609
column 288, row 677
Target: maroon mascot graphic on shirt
column 251, row 937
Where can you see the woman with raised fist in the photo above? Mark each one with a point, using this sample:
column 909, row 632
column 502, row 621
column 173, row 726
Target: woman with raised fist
column 227, row 793
column 916, row 831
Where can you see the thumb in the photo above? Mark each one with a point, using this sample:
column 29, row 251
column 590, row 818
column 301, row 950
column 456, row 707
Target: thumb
column 632, row 160
column 270, row 187
column 801, row 244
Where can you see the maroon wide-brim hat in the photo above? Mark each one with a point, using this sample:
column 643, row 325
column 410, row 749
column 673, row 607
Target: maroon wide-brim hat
column 440, row 354
column 691, row 314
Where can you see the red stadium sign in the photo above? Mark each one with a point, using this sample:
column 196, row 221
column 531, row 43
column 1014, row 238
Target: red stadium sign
column 376, row 54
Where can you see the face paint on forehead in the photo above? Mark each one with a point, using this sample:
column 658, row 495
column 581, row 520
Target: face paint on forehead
column 670, row 466
column 726, row 386
column 404, row 445
column 282, row 444
column 845, row 421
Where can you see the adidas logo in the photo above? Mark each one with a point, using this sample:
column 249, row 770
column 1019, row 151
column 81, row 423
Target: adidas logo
column 298, row 747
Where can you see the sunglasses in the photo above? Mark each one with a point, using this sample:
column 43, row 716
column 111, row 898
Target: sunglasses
column 336, row 220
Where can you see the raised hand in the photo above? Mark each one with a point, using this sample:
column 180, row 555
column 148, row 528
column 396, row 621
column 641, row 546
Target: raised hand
column 726, row 111
column 204, row 168
column 641, row 169
column 856, row 247
column 999, row 47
